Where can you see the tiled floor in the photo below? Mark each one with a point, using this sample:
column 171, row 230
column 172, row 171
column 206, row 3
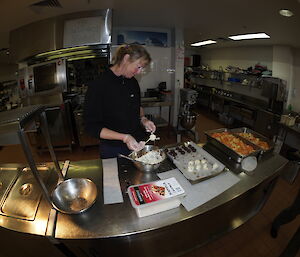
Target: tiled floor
column 249, row 240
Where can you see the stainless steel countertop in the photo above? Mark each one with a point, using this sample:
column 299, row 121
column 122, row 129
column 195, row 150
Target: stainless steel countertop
column 20, row 114
column 11, row 122
column 39, row 225
column 120, row 220
column 295, row 128
column 156, row 103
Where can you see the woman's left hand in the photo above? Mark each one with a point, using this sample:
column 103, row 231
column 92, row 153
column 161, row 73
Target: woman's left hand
column 148, row 124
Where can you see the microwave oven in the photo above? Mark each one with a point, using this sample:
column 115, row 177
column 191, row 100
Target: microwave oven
column 44, row 78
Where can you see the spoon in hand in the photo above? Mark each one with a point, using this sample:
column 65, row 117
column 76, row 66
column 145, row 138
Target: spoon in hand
column 152, row 138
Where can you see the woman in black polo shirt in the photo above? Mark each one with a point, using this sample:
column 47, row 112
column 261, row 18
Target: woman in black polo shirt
column 113, row 109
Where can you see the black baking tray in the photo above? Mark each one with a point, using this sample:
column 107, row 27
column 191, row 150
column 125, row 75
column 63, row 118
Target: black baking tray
column 227, row 150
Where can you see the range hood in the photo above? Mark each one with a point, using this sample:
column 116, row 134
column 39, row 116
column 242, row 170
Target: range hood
column 59, row 32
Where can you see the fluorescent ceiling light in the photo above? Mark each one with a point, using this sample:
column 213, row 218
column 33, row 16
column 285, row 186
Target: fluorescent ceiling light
column 286, row 13
column 250, row 36
column 203, row 43
column 82, row 57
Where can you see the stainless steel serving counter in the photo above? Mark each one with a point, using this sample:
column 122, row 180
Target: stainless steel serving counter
column 109, row 230
column 23, row 208
column 116, row 230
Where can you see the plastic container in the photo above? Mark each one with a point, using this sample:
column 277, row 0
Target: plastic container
column 249, row 163
column 154, row 197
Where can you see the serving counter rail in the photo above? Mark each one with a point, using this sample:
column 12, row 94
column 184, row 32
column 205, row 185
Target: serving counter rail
column 116, row 230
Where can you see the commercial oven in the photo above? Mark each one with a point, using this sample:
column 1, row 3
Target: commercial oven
column 55, row 84
column 41, row 79
column 84, row 139
column 59, row 118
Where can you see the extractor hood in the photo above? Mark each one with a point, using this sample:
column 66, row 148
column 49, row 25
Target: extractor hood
column 58, row 32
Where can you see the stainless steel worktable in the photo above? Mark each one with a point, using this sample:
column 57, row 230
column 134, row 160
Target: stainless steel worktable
column 109, row 230
column 159, row 121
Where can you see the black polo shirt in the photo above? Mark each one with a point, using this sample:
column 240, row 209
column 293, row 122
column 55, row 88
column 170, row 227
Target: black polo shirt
column 113, row 102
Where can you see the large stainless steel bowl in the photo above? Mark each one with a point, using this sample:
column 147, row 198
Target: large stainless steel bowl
column 74, row 195
column 188, row 121
column 144, row 166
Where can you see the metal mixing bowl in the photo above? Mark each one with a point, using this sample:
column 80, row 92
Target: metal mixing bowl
column 188, row 121
column 144, row 166
column 74, row 195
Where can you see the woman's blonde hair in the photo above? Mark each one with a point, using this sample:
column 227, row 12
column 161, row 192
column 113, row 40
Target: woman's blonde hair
column 135, row 52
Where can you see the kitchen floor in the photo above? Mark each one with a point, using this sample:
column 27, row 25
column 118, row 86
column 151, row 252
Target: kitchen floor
column 251, row 239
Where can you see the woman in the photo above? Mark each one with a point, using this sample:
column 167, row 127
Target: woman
column 113, row 109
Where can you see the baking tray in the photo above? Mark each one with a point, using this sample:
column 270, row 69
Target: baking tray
column 194, row 162
column 255, row 134
column 227, row 150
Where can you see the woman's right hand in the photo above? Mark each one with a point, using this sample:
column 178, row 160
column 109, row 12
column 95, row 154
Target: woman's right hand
column 132, row 144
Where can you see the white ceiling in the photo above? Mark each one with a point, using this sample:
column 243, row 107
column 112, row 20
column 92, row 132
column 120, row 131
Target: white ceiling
column 200, row 19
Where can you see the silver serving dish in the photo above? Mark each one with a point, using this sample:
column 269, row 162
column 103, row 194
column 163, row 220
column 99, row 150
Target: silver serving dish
column 144, row 166
column 227, row 150
column 236, row 131
column 74, row 195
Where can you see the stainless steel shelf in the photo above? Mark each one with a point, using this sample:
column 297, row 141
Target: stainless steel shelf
column 159, row 121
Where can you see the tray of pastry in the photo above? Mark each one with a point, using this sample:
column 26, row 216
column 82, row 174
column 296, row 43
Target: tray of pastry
column 194, row 162
column 255, row 138
column 236, row 147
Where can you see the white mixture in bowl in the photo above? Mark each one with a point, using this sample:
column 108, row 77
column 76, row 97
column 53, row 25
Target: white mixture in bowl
column 152, row 157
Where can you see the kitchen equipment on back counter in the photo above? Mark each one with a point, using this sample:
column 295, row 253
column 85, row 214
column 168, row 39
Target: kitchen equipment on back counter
column 188, row 120
column 275, row 90
column 186, row 117
column 288, row 120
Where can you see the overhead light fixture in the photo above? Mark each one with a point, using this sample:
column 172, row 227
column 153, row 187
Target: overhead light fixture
column 250, row 36
column 82, row 57
column 64, row 50
column 203, row 43
column 61, row 55
column 286, row 13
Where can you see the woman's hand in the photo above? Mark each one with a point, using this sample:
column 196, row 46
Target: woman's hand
column 148, row 124
column 132, row 144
